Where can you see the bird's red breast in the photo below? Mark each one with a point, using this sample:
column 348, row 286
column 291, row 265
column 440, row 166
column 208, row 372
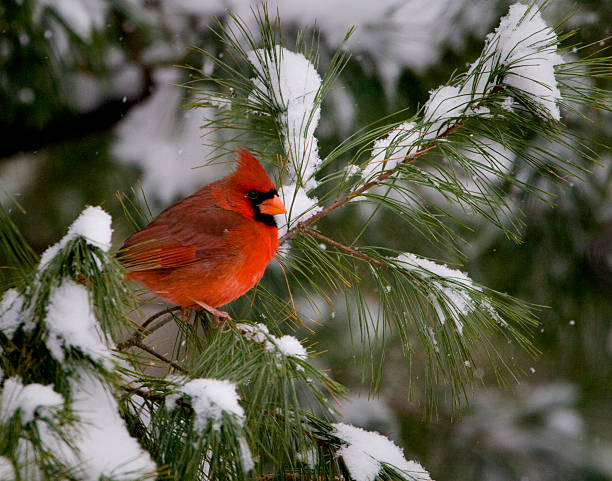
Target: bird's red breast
column 212, row 246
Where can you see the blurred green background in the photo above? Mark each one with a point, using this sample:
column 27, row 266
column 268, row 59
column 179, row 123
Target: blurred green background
column 89, row 106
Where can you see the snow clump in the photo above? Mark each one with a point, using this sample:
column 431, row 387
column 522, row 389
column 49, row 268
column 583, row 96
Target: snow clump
column 366, row 452
column 286, row 345
column 94, row 225
column 292, row 82
column 26, row 399
column 210, row 398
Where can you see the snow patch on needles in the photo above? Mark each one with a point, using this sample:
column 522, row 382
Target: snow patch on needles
column 292, row 83
column 7, row 472
column 445, row 105
column 26, row 399
column 246, row 458
column 287, row 345
column 522, row 47
column 454, row 286
column 290, row 346
column 210, row 398
column 366, row 452
column 94, row 225
column 11, row 315
column 105, row 445
column 72, row 324
column 392, row 149
column 526, row 47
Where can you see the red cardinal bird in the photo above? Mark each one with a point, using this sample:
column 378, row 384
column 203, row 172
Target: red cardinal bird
column 213, row 246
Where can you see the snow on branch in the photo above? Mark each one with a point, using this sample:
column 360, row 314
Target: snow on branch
column 287, row 345
column 103, row 442
column 94, row 225
column 291, row 83
column 12, row 315
column 523, row 49
column 210, row 398
column 15, row 397
column 393, row 148
column 71, row 323
column 366, row 453
column 521, row 53
column 455, row 288
column 100, row 443
column 7, row 472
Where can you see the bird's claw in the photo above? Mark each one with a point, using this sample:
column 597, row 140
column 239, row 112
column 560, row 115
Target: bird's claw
column 221, row 317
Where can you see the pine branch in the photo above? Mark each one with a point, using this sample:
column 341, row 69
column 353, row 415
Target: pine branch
column 159, row 356
column 144, row 331
column 270, row 477
column 345, row 248
column 291, row 233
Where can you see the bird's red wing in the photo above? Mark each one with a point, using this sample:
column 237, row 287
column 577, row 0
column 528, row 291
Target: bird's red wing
column 175, row 240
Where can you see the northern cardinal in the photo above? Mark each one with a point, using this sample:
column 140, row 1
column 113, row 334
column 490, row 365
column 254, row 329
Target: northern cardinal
column 213, row 246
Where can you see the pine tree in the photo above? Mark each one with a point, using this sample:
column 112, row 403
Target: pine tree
column 79, row 399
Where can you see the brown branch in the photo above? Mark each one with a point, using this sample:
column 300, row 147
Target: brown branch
column 291, row 233
column 145, row 331
column 269, row 477
column 144, row 394
column 159, row 356
column 156, row 397
column 345, row 248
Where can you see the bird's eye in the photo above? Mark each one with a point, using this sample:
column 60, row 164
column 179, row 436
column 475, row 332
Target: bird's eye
column 253, row 194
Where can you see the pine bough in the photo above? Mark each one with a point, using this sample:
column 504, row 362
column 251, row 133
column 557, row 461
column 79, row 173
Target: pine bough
column 72, row 406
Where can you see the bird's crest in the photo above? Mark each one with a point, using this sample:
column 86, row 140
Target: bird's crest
column 250, row 173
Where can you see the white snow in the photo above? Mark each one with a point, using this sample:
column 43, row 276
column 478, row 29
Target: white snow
column 445, row 105
column 297, row 202
column 290, row 346
column 81, row 16
column 507, row 104
column 294, row 84
column 26, row 399
column 286, row 345
column 105, row 445
column 93, row 224
column 522, row 46
column 291, row 81
column 210, row 398
column 526, row 47
column 456, row 292
column 7, row 472
column 72, row 324
column 258, row 333
column 390, row 150
column 246, row 458
column 365, row 453
column 10, row 313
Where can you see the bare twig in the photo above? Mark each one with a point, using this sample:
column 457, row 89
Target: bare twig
column 270, row 477
column 159, row 356
column 151, row 396
column 145, row 331
column 345, row 248
column 291, row 233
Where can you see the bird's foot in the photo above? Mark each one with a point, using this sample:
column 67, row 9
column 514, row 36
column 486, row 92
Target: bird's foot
column 187, row 315
column 221, row 317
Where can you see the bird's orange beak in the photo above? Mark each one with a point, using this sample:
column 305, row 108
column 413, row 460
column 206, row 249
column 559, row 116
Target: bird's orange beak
column 273, row 206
